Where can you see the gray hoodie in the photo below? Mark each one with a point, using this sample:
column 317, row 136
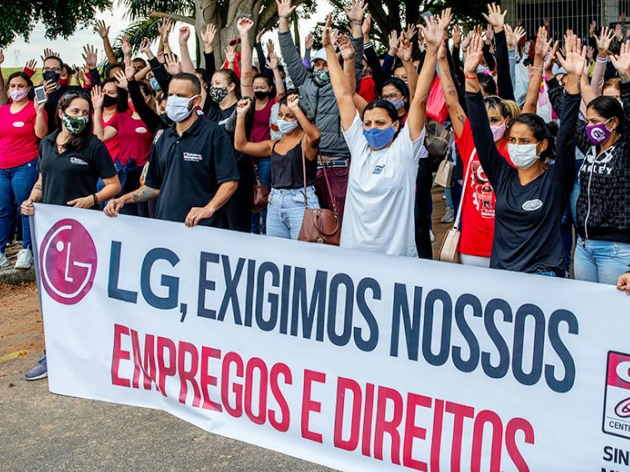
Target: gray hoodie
column 320, row 100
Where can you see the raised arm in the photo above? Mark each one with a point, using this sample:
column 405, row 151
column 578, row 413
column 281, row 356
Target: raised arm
column 273, row 64
column 622, row 64
column 103, row 31
column 603, row 45
column 312, row 135
column 184, row 53
column 536, row 72
column 404, row 52
column 3, row 89
column 291, row 56
column 241, row 143
column 247, row 76
column 455, row 110
column 341, row 87
column 434, row 36
column 496, row 19
column 207, row 36
column 109, row 132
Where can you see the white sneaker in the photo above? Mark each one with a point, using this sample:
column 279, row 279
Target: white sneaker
column 4, row 262
column 431, row 236
column 24, row 259
column 449, row 216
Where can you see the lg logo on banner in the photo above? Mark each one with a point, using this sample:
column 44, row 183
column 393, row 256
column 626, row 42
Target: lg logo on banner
column 617, row 402
column 67, row 262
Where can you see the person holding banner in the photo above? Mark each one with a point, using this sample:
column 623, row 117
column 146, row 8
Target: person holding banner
column 299, row 136
column 192, row 166
column 71, row 161
column 385, row 155
column 531, row 199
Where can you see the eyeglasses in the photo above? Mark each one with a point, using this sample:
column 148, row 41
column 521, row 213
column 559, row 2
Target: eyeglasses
column 52, row 69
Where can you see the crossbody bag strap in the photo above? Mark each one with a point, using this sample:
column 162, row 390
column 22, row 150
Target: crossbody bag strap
column 332, row 199
column 304, row 170
column 464, row 184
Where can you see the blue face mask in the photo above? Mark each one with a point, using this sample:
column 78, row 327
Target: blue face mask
column 155, row 85
column 379, row 138
column 397, row 102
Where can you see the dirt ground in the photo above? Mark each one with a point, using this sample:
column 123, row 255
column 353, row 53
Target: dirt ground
column 21, row 330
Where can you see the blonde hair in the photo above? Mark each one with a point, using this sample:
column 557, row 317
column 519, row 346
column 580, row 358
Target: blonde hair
column 513, row 109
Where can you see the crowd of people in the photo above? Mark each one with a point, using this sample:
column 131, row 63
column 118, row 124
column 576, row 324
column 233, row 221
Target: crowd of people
column 541, row 168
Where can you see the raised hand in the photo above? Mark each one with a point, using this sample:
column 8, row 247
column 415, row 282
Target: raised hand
column 243, row 106
column 575, row 57
column 474, row 56
column 32, row 64
column 433, row 34
column 551, row 58
column 404, row 50
column 345, row 48
column 172, row 64
column 89, row 56
column 293, row 101
column 207, row 36
column 230, row 54
column 542, row 44
column 184, row 35
column 130, row 73
column 456, row 34
column 271, row 48
column 495, row 17
column 445, row 19
column 489, row 34
column 356, row 12
column 164, row 27
column 285, row 9
column 121, row 78
column 97, row 97
column 366, row 27
column 273, row 61
column 145, row 47
column 326, row 33
column 592, row 27
column 604, row 39
column 513, row 36
column 259, row 36
column 467, row 39
column 243, row 26
column 411, row 32
column 125, row 46
column 393, row 43
column 622, row 62
column 618, row 33
column 101, row 28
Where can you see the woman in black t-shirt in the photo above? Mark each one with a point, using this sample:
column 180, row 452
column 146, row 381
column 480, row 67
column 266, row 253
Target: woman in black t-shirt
column 71, row 160
column 299, row 135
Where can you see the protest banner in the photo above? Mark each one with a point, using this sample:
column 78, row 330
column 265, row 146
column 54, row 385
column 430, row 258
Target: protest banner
column 357, row 361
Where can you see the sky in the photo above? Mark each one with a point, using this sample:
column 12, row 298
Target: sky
column 70, row 50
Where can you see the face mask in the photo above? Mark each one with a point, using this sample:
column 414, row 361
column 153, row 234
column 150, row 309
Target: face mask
column 51, row 76
column 260, row 95
column 379, row 138
column 498, row 131
column 155, row 85
column 286, row 127
column 109, row 101
column 218, row 93
column 598, row 134
column 178, row 108
column 523, row 155
column 75, row 124
column 65, row 81
column 18, row 95
column 321, row 77
column 398, row 103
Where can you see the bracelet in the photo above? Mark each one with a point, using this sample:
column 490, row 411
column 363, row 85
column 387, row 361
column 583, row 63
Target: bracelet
column 357, row 22
column 601, row 59
column 95, row 199
column 474, row 77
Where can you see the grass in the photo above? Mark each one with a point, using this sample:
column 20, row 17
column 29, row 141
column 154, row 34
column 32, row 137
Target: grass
column 7, row 71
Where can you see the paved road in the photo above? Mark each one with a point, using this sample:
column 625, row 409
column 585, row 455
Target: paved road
column 43, row 432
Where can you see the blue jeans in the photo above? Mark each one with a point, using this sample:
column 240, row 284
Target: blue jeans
column 601, row 261
column 259, row 219
column 16, row 184
column 286, row 211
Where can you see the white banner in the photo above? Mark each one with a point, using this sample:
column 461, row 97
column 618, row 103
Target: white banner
column 356, row 361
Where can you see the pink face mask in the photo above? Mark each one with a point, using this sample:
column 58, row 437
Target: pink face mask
column 498, row 131
column 18, row 94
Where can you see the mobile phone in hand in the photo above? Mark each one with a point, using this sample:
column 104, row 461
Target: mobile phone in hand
column 40, row 94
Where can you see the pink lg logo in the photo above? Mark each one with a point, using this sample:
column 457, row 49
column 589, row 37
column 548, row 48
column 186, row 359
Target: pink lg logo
column 68, row 262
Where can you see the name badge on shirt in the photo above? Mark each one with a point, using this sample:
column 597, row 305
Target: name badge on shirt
column 192, row 157
column 532, row 205
column 77, row 161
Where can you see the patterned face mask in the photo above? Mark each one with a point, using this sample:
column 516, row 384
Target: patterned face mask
column 321, row 77
column 218, row 93
column 379, row 138
column 75, row 124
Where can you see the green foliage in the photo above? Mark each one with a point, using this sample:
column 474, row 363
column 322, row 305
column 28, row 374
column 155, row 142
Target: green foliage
column 60, row 17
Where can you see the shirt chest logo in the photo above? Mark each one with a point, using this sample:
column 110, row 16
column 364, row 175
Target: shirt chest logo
column 532, row 205
column 141, row 130
column 77, row 161
column 18, row 124
column 192, row 157
column 378, row 170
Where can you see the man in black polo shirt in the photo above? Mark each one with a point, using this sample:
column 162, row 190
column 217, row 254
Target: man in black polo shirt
column 192, row 166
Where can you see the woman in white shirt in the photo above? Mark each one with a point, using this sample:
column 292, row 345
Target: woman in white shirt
column 379, row 212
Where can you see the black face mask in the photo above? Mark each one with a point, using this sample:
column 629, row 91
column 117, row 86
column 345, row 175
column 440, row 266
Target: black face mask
column 260, row 95
column 51, row 75
column 109, row 101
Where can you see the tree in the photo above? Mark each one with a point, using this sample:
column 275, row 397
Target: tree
column 60, row 17
column 223, row 13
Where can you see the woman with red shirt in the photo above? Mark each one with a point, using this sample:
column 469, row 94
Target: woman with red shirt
column 22, row 124
column 478, row 202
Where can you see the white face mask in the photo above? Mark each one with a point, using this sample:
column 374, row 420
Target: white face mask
column 523, row 155
column 286, row 127
column 178, row 108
